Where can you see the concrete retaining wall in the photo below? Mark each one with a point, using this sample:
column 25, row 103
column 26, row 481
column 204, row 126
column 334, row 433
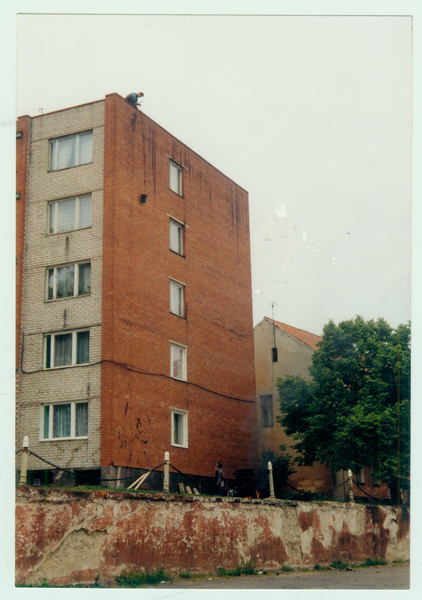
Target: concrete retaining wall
column 72, row 537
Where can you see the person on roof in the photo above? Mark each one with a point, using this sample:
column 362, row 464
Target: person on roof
column 133, row 99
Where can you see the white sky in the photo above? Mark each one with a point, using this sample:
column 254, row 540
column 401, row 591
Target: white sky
column 309, row 113
column 312, row 115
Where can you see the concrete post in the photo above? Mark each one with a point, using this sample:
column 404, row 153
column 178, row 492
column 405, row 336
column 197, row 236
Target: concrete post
column 351, row 499
column 270, row 476
column 24, row 464
column 166, row 486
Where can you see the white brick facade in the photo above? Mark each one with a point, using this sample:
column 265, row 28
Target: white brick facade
column 38, row 386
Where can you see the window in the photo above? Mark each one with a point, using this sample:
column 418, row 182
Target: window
column 375, row 481
column 274, row 353
column 64, row 420
column 68, row 281
column 72, row 213
column 176, row 297
column 71, row 150
column 179, row 427
column 175, row 178
column 178, row 361
column 176, row 237
column 267, row 410
column 360, row 476
column 66, row 349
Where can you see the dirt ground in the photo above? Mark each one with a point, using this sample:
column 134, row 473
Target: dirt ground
column 391, row 577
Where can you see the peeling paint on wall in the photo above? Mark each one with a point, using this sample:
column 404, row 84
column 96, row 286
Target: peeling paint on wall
column 72, row 537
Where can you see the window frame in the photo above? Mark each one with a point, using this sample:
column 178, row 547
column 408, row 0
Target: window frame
column 53, row 143
column 54, row 268
column 184, row 414
column 77, row 214
column 180, row 227
column 266, row 410
column 179, row 170
column 184, row 349
column 181, row 300
column 74, row 351
column 51, row 406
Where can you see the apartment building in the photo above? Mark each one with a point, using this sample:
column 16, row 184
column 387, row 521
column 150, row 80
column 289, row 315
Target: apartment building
column 134, row 307
column 282, row 350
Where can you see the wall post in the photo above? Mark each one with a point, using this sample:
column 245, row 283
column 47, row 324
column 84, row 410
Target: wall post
column 351, row 498
column 24, row 464
column 270, row 476
column 166, row 486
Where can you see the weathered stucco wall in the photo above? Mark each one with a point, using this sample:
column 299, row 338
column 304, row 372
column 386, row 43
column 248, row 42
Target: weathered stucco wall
column 70, row 537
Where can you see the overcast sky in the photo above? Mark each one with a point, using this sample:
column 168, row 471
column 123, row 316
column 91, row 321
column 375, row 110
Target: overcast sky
column 311, row 115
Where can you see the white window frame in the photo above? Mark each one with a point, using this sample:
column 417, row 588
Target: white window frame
column 75, row 280
column 77, row 214
column 180, row 309
column 74, row 349
column 51, row 406
column 184, row 415
column 180, row 228
column 178, row 188
column 77, row 139
column 173, row 346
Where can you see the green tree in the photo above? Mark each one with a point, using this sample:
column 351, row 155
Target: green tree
column 355, row 411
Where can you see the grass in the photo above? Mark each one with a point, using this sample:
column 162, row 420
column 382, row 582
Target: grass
column 374, row 562
column 246, row 569
column 132, row 579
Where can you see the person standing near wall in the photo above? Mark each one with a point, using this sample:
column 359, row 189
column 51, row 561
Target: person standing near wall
column 219, row 478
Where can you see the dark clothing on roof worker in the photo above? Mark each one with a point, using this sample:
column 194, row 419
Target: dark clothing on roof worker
column 133, row 98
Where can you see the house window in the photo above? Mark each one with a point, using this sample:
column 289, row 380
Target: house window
column 71, row 150
column 175, row 178
column 274, row 354
column 176, row 237
column 178, row 361
column 360, row 476
column 267, row 410
column 176, row 297
column 68, row 281
column 66, row 349
column 72, row 213
column 375, row 481
column 64, row 420
column 179, row 428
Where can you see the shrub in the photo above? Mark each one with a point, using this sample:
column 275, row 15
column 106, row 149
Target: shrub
column 132, row 579
column 338, row 564
column 374, row 562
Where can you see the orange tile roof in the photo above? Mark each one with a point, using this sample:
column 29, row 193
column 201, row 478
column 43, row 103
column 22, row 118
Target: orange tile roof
column 310, row 339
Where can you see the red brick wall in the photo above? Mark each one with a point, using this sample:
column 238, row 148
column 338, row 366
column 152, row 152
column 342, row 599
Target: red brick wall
column 22, row 150
column 137, row 323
